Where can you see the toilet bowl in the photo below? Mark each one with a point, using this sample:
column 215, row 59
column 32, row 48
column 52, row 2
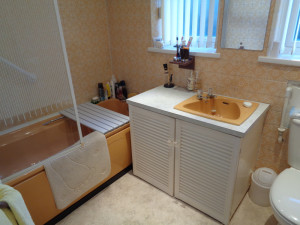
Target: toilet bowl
column 285, row 197
column 285, row 190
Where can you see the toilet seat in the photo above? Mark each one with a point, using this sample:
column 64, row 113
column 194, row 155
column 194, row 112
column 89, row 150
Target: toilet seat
column 285, row 195
column 280, row 219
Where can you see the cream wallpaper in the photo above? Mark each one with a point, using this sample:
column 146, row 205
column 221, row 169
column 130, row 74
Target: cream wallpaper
column 237, row 73
column 90, row 41
column 86, row 35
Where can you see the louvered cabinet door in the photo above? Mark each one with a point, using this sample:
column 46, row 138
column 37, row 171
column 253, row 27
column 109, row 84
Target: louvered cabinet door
column 205, row 169
column 152, row 138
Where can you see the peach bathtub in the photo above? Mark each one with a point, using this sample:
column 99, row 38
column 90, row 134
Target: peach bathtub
column 23, row 149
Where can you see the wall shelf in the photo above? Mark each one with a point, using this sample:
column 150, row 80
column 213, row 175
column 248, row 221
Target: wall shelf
column 190, row 65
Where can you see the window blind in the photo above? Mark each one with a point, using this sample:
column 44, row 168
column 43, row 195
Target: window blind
column 190, row 18
column 286, row 27
column 33, row 76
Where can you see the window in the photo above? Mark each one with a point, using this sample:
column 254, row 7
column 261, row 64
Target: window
column 190, row 18
column 286, row 30
column 292, row 36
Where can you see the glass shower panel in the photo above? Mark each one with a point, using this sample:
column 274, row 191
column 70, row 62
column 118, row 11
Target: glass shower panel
column 33, row 76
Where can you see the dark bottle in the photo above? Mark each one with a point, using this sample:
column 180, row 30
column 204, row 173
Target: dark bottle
column 101, row 91
column 117, row 90
column 124, row 90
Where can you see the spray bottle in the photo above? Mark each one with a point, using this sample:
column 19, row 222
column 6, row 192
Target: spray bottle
column 113, row 82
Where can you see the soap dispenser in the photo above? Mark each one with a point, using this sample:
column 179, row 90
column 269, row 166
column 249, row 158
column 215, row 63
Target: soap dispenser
column 191, row 82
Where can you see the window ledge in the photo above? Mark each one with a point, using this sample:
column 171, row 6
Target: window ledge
column 202, row 52
column 282, row 60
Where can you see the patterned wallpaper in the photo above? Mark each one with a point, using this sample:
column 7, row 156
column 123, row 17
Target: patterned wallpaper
column 86, row 35
column 237, row 73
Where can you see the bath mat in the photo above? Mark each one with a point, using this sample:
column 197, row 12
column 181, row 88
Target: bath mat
column 78, row 169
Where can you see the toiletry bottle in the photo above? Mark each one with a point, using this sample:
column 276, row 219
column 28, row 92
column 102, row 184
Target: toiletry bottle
column 191, row 82
column 116, row 89
column 113, row 81
column 124, row 90
column 95, row 100
column 101, row 91
column 106, row 95
column 108, row 90
column 120, row 93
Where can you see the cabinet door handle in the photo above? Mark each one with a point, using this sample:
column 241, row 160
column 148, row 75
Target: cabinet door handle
column 176, row 144
column 170, row 143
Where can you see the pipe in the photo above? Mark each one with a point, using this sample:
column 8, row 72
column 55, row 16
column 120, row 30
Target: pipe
column 68, row 70
column 284, row 124
column 280, row 134
column 288, row 94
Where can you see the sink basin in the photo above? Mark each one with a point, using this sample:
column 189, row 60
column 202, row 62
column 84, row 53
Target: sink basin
column 224, row 109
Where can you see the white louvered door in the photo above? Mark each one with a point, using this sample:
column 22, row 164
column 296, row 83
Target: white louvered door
column 152, row 138
column 205, row 169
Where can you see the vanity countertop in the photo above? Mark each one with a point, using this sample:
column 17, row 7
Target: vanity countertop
column 162, row 100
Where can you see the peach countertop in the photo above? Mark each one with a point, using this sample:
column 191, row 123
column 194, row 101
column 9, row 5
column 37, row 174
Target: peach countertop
column 162, row 100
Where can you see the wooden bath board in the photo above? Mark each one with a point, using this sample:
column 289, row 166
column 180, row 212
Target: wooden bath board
column 97, row 117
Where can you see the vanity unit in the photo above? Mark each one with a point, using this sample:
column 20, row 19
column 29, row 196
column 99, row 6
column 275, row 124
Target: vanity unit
column 203, row 162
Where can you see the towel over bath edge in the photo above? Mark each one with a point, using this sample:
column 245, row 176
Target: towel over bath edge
column 79, row 169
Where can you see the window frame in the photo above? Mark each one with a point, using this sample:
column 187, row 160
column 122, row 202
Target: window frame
column 279, row 34
column 289, row 41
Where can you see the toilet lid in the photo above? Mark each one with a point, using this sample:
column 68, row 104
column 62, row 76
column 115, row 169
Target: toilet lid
column 285, row 194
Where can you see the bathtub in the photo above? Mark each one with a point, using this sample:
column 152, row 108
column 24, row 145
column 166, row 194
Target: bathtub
column 23, row 151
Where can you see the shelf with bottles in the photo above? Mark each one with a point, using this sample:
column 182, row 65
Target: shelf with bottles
column 187, row 64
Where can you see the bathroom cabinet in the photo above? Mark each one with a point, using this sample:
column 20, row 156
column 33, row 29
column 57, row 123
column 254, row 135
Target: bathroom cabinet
column 205, row 168
column 152, row 140
column 208, row 169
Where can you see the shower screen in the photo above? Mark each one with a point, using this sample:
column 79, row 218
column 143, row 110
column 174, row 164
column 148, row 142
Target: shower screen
column 33, row 75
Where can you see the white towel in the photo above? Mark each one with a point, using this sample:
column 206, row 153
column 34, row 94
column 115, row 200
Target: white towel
column 78, row 169
column 7, row 217
column 17, row 211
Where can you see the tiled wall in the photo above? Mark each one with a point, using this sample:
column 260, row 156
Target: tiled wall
column 86, row 35
column 237, row 73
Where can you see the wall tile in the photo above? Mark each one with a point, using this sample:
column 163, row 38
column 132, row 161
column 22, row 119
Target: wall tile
column 86, row 36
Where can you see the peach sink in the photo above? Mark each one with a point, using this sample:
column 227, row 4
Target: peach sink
column 220, row 108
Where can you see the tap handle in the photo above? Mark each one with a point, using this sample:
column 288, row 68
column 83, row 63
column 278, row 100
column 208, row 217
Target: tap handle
column 199, row 94
column 210, row 94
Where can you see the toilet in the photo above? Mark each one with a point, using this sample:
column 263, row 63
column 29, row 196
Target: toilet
column 285, row 190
